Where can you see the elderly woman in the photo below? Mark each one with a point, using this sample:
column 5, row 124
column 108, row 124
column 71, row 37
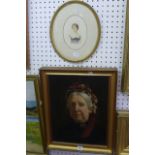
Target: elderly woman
column 82, row 105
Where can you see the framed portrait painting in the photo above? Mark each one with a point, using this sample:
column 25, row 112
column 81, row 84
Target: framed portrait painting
column 76, row 27
column 79, row 108
column 34, row 121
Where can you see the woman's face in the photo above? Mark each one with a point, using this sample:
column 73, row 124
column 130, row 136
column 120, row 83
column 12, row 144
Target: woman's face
column 78, row 108
column 75, row 27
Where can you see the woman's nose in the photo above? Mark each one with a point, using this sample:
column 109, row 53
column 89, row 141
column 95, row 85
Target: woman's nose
column 76, row 108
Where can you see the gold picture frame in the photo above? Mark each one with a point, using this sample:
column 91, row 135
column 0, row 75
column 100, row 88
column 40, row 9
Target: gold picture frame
column 27, row 39
column 122, row 140
column 125, row 70
column 59, row 85
column 35, row 142
column 76, row 26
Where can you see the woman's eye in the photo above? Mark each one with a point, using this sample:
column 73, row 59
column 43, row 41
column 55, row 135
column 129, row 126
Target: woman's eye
column 72, row 104
column 81, row 104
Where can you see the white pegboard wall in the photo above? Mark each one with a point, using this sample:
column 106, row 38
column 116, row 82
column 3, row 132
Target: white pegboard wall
column 108, row 54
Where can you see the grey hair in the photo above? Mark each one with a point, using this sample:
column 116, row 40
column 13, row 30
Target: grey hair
column 87, row 98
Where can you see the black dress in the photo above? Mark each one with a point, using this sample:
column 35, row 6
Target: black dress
column 89, row 133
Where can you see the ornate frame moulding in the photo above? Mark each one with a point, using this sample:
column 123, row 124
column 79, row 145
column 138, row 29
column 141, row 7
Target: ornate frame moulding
column 122, row 140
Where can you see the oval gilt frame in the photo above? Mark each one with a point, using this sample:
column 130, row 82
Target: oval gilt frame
column 80, row 47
